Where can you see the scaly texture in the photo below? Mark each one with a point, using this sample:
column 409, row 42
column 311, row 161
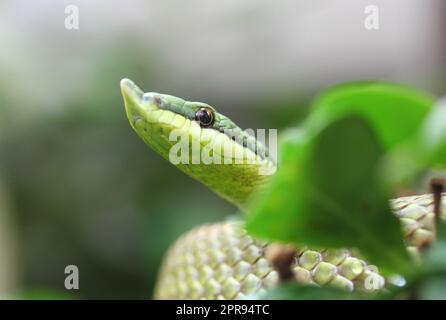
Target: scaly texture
column 220, row 261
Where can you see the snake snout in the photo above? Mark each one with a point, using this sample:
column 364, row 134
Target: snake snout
column 132, row 99
column 131, row 90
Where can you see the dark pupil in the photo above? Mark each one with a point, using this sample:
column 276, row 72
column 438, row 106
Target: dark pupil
column 204, row 116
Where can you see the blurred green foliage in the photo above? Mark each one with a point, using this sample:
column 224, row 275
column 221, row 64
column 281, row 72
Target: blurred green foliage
column 330, row 196
column 330, row 191
column 395, row 112
column 431, row 141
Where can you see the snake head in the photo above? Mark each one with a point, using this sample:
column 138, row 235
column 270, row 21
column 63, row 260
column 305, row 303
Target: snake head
column 157, row 117
column 166, row 122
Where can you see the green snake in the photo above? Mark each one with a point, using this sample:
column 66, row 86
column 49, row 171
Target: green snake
column 220, row 260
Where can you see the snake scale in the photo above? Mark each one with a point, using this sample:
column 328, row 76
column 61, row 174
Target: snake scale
column 220, row 260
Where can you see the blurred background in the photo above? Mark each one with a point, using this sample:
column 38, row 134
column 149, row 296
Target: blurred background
column 77, row 186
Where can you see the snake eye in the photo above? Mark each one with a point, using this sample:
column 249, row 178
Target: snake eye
column 205, row 116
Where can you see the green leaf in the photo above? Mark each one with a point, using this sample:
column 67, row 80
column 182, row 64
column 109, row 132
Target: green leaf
column 394, row 111
column 327, row 194
column 425, row 151
column 432, row 137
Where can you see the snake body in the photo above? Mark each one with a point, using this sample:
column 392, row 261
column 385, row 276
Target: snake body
column 220, row 260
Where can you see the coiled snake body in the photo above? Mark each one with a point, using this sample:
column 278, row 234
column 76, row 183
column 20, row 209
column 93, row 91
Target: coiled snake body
column 221, row 261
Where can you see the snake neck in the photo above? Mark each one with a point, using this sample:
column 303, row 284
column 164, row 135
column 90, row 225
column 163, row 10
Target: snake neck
column 241, row 182
column 236, row 183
